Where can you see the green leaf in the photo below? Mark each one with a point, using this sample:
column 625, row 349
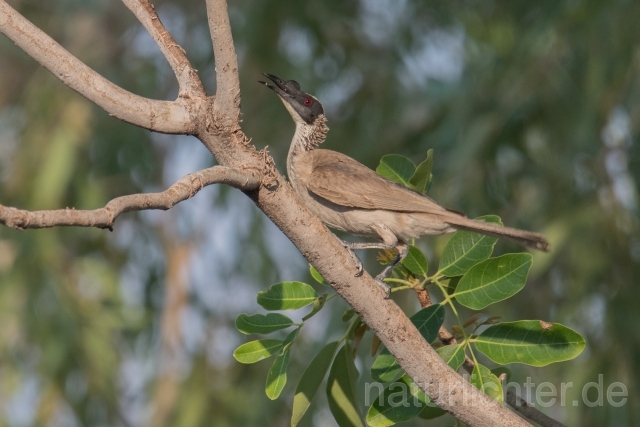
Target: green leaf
column 452, row 284
column 385, row 367
column 317, row 306
column 431, row 411
column 416, row 262
column 287, row 296
column 428, row 321
column 422, row 177
column 262, row 324
column 375, row 344
column 483, row 379
column 400, row 401
column 317, row 276
column 286, row 343
column 472, row 320
column 465, row 249
column 348, row 314
column 493, row 280
column 311, row 380
column 277, row 376
column 341, row 389
column 531, row 342
column 254, row 351
column 397, row 168
column 452, row 354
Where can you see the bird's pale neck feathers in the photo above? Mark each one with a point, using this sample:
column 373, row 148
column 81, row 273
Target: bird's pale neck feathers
column 309, row 136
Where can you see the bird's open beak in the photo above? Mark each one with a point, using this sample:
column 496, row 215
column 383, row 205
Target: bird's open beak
column 279, row 88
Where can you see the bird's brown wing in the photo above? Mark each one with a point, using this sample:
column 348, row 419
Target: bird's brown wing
column 345, row 182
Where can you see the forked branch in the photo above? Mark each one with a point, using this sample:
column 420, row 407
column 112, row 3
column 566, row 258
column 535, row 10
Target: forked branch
column 219, row 129
column 189, row 83
column 184, row 189
column 227, row 103
column 325, row 251
column 160, row 116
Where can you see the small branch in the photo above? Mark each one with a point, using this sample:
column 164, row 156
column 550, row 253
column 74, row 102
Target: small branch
column 220, row 132
column 445, row 336
column 423, row 297
column 184, row 189
column 188, row 81
column 160, row 116
column 522, row 407
column 227, row 102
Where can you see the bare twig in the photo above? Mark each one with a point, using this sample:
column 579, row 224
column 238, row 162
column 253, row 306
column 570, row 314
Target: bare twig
column 188, row 81
column 185, row 188
column 522, row 407
column 445, row 336
column 423, row 297
column 227, row 102
column 160, row 116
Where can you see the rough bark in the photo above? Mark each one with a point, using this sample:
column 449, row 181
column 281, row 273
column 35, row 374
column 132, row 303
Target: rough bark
column 215, row 122
column 104, row 217
column 160, row 116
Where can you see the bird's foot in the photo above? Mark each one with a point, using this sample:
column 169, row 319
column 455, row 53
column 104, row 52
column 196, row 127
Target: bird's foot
column 356, row 260
column 386, row 288
column 388, row 269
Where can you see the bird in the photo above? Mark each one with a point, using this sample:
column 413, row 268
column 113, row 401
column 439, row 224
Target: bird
column 348, row 196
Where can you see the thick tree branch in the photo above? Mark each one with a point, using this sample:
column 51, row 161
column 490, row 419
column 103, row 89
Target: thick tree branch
column 160, row 116
column 227, row 102
column 185, row 188
column 188, row 81
column 323, row 249
column 221, row 133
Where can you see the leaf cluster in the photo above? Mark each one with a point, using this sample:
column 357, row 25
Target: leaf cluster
column 467, row 275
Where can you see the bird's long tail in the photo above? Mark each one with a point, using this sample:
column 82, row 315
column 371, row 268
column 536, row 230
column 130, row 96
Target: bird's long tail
column 522, row 237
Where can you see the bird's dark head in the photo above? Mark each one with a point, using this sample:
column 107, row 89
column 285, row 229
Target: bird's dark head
column 301, row 105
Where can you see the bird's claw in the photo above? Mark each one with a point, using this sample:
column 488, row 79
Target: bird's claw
column 359, row 269
column 356, row 260
column 379, row 278
column 386, row 288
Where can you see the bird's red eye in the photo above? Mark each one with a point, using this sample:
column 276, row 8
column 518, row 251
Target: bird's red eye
column 308, row 102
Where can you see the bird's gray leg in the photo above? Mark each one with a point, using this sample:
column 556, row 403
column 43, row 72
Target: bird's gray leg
column 369, row 245
column 389, row 241
column 364, row 245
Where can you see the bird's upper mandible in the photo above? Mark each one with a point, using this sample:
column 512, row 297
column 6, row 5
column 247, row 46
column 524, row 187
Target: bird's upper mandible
column 305, row 106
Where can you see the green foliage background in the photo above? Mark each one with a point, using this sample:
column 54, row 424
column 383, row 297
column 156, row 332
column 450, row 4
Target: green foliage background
column 533, row 113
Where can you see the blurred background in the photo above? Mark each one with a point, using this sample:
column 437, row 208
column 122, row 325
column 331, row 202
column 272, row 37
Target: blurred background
column 532, row 109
